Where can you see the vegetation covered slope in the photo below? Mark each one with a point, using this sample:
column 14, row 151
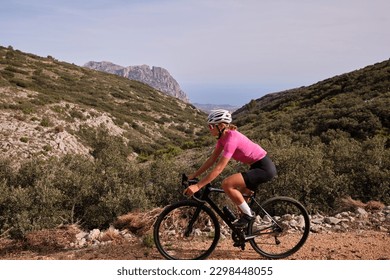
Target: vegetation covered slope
column 355, row 104
column 330, row 139
column 46, row 93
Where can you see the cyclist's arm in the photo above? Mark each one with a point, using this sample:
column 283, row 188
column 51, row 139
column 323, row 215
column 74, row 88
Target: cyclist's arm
column 219, row 167
column 208, row 163
column 210, row 177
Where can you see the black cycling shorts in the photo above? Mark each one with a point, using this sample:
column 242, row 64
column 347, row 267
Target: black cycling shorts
column 260, row 172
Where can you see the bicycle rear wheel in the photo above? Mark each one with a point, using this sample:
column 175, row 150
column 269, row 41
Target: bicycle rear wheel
column 186, row 230
column 281, row 227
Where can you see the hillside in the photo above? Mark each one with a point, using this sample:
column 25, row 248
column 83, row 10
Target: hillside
column 355, row 105
column 328, row 140
column 48, row 107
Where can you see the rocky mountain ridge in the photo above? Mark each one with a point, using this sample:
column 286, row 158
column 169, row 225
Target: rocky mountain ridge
column 156, row 77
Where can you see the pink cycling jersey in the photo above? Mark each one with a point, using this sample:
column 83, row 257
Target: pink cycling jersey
column 237, row 146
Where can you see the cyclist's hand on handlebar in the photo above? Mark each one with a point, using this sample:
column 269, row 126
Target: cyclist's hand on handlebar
column 191, row 190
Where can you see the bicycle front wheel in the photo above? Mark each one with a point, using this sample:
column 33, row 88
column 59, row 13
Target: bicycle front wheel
column 186, row 230
column 281, row 227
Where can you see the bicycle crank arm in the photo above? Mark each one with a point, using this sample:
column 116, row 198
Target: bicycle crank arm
column 249, row 237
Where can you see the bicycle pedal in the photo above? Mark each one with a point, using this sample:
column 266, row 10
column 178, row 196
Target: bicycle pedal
column 242, row 246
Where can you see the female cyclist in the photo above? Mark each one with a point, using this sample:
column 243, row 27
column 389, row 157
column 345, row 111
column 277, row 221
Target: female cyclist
column 233, row 144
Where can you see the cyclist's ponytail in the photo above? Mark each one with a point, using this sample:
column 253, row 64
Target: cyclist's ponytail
column 231, row 127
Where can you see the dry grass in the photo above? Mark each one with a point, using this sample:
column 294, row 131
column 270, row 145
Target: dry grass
column 61, row 237
column 111, row 235
column 137, row 222
column 371, row 205
column 50, row 239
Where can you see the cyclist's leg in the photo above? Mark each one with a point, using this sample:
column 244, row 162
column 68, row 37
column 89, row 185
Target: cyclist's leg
column 246, row 182
column 233, row 186
column 247, row 193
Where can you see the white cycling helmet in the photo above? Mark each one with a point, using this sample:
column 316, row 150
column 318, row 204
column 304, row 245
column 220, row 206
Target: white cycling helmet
column 219, row 116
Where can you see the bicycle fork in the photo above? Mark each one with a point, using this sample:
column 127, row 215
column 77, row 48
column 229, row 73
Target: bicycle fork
column 192, row 221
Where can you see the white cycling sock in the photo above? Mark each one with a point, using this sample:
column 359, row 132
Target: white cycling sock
column 244, row 207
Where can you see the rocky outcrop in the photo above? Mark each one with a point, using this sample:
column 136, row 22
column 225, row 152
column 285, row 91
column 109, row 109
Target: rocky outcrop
column 356, row 219
column 359, row 219
column 47, row 132
column 156, row 77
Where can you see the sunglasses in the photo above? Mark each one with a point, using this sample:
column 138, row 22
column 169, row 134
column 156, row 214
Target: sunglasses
column 211, row 126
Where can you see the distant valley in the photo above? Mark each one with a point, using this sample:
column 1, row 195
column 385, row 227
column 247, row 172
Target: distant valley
column 207, row 108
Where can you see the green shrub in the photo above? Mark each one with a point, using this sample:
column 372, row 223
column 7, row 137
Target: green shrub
column 24, row 139
column 46, row 122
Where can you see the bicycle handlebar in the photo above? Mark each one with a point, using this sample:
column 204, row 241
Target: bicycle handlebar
column 186, row 183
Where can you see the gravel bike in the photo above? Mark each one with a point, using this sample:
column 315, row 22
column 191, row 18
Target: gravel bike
column 190, row 229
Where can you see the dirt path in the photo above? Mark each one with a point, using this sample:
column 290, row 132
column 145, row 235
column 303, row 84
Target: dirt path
column 358, row 245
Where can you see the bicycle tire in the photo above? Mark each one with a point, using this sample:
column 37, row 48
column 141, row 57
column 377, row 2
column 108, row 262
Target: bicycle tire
column 286, row 236
column 170, row 228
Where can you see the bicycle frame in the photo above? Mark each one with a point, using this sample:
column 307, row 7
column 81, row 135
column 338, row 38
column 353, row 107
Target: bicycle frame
column 204, row 198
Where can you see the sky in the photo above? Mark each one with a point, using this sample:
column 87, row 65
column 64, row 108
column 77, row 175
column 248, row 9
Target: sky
column 219, row 51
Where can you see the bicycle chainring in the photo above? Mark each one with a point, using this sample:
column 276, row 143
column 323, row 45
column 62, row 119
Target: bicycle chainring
column 239, row 239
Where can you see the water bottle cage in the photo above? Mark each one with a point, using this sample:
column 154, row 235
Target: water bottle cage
column 229, row 214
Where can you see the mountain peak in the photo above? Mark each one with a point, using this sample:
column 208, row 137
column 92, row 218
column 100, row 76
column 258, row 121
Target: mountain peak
column 156, row 77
